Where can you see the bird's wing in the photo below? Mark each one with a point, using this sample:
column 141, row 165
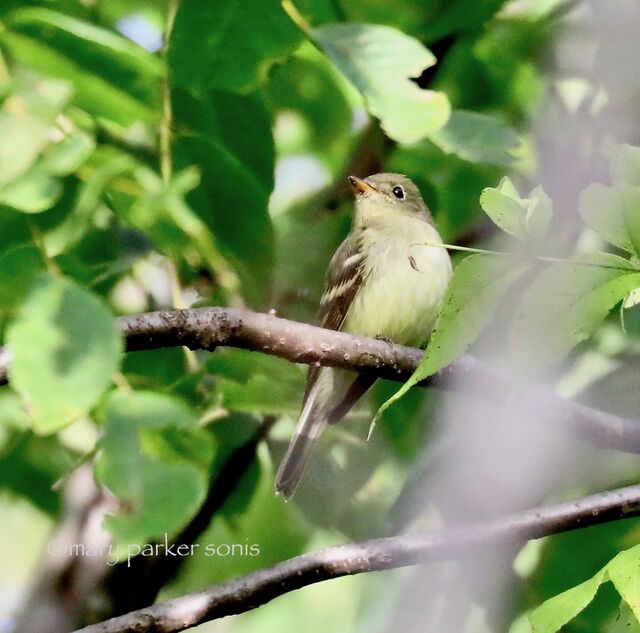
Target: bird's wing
column 344, row 279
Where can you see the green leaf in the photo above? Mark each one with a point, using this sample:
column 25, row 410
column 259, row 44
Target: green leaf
column 554, row 613
column 33, row 192
column 518, row 216
column 255, row 383
column 155, row 459
column 624, row 573
column 624, row 165
column 504, row 206
column 66, row 346
column 309, row 86
column 21, row 139
column 622, row 570
column 380, row 62
column 228, row 137
column 88, row 199
column 478, row 286
column 65, row 157
column 565, row 304
column 477, row 138
column 539, row 214
column 228, row 45
column 625, row 621
column 614, row 214
column 19, row 266
column 112, row 77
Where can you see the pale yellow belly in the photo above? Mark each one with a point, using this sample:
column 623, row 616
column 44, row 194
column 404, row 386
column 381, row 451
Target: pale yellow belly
column 403, row 290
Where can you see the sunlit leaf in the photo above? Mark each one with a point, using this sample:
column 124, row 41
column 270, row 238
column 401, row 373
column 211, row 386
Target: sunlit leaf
column 554, row 613
column 33, row 192
column 380, row 62
column 622, row 570
column 66, row 347
column 624, row 573
column 111, row 76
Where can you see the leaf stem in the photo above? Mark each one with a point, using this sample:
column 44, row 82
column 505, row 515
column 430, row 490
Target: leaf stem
column 291, row 10
column 166, row 166
column 540, row 258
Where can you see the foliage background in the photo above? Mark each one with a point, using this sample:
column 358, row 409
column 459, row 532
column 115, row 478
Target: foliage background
column 211, row 171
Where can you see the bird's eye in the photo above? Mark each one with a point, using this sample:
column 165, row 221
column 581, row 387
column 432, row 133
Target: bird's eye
column 398, row 192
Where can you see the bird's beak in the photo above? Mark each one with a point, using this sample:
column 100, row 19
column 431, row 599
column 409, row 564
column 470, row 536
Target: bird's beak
column 360, row 186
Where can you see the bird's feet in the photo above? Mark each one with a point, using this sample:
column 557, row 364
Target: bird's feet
column 385, row 339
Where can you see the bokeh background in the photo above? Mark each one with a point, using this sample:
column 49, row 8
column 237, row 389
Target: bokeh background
column 209, row 169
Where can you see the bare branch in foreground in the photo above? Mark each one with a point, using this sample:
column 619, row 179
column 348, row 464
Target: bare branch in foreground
column 248, row 592
column 208, row 328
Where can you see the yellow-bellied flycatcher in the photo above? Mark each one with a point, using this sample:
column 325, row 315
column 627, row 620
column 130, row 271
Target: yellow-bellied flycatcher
column 383, row 281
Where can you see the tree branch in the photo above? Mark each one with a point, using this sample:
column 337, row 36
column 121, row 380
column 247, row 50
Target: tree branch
column 208, row 328
column 253, row 590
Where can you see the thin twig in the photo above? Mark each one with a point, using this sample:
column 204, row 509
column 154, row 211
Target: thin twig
column 253, row 590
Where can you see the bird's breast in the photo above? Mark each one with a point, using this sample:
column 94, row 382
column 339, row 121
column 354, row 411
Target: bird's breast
column 404, row 282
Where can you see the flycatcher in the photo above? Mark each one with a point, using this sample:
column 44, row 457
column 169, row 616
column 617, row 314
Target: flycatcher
column 382, row 282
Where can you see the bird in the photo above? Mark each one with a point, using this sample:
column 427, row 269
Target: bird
column 386, row 280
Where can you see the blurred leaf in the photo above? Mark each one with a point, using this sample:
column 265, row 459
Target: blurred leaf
column 477, row 288
column 21, row 139
column 112, row 77
column 228, row 137
column 612, row 212
column 88, row 199
column 478, row 138
column 267, row 532
column 32, row 193
column 565, row 304
column 65, row 157
column 12, row 414
column 380, row 62
column 162, row 213
column 405, row 423
column 66, row 346
column 154, row 368
column 624, row 165
column 459, row 15
column 539, row 214
column 30, row 465
column 309, row 86
column 18, row 268
column 155, row 459
column 255, row 383
column 228, row 45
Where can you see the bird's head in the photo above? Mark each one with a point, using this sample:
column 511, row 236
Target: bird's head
column 388, row 194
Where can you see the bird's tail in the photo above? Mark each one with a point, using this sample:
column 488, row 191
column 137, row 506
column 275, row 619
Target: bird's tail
column 312, row 421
